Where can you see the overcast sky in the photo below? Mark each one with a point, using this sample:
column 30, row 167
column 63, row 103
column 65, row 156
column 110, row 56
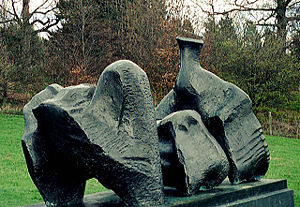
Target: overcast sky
column 191, row 9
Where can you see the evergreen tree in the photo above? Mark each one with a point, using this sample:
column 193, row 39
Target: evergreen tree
column 261, row 68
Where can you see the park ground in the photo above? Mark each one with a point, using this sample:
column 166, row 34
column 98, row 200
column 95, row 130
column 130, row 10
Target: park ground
column 17, row 189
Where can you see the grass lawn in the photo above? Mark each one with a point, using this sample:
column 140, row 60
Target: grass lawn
column 17, row 189
column 285, row 162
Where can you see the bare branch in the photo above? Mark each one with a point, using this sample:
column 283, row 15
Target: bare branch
column 15, row 12
column 248, row 7
column 36, row 10
column 5, row 10
column 249, row 3
column 40, row 21
column 46, row 28
column 239, row 8
column 287, row 2
column 235, row 3
column 244, row 9
column 199, row 5
column 295, row 18
column 295, row 3
column 7, row 21
column 45, row 12
column 268, row 18
column 39, row 7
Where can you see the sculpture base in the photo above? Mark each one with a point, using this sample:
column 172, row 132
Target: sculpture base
column 263, row 193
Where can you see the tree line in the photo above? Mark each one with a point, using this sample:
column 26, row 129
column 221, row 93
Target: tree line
column 91, row 34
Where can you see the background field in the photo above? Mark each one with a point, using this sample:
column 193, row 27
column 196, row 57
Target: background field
column 17, row 189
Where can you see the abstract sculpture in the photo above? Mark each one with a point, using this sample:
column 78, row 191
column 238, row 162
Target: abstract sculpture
column 205, row 131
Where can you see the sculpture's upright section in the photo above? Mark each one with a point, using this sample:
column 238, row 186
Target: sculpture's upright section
column 108, row 132
column 226, row 111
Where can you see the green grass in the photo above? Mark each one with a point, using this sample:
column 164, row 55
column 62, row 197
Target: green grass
column 17, row 189
column 285, row 162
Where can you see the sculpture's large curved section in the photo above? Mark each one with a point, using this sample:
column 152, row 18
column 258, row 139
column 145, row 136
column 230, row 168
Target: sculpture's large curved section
column 107, row 132
column 123, row 91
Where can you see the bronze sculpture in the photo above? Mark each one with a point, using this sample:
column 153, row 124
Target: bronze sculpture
column 206, row 131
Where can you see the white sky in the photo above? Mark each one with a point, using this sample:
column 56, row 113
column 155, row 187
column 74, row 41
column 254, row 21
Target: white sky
column 191, row 10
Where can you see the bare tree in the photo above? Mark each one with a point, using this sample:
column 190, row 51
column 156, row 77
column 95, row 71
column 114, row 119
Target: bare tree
column 42, row 19
column 18, row 11
column 278, row 14
column 26, row 19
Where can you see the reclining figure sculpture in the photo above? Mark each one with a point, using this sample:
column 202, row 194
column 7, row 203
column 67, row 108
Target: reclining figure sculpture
column 205, row 131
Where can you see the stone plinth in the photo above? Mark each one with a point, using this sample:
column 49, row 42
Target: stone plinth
column 264, row 193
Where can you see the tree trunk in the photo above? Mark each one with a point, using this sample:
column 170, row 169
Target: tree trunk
column 83, row 22
column 281, row 19
column 26, row 38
